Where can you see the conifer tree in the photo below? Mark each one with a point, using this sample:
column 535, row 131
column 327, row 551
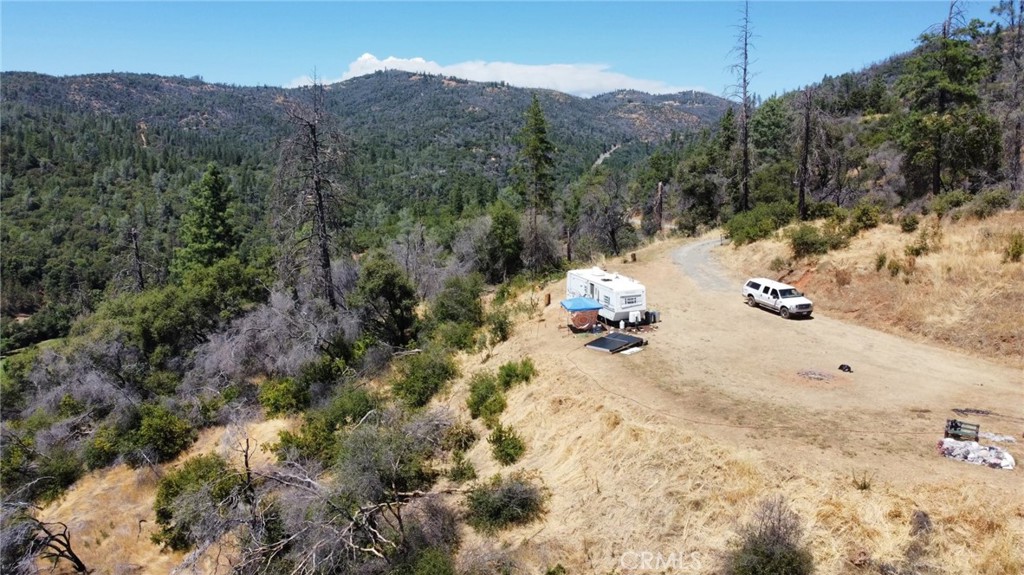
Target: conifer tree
column 536, row 171
column 207, row 235
column 946, row 136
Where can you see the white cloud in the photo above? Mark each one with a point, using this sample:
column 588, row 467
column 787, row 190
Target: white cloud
column 579, row 79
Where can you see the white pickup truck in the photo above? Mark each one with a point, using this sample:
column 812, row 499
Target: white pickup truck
column 777, row 296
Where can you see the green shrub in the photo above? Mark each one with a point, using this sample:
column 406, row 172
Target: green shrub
column 1014, row 248
column 485, row 397
column 506, row 445
column 949, row 201
column 919, row 248
column 69, row 406
column 349, row 405
column 770, row 544
column 989, row 203
column 894, row 267
column 513, row 372
column 283, row 395
column 459, row 301
column 423, row 375
column 760, row 222
column 909, row 223
column 57, row 471
column 323, row 370
column 455, row 335
column 865, row 216
column 462, row 469
column 163, row 432
column 459, row 437
column 499, row 325
column 316, row 440
column 501, row 503
column 103, row 447
column 206, row 477
column 14, row 370
column 434, row 561
column 821, row 210
column 778, row 264
column 807, row 239
column 880, row 259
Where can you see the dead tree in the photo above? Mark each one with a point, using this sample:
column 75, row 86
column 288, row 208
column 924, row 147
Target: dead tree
column 24, row 540
column 742, row 89
column 309, row 185
column 805, row 153
column 54, row 544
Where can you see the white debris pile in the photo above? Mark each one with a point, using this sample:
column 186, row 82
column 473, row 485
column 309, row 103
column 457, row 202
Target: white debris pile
column 973, row 452
column 997, row 437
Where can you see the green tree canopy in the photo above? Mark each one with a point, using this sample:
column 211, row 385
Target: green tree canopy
column 946, row 136
column 206, row 231
column 387, row 300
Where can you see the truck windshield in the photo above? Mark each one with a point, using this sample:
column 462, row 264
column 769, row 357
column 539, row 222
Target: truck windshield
column 789, row 293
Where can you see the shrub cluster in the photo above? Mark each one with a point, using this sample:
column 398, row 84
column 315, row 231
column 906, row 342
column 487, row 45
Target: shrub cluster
column 486, row 399
column 501, row 503
column 806, row 240
column 513, row 372
column 206, row 477
column 760, row 222
column 1014, row 248
column 506, row 445
column 423, row 375
column 283, row 395
column 945, row 203
column 770, row 544
column 487, row 391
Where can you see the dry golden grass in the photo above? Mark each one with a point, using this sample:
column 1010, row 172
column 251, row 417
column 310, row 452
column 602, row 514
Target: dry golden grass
column 625, row 477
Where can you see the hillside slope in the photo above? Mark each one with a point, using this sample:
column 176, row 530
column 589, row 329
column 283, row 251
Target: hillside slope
column 668, row 451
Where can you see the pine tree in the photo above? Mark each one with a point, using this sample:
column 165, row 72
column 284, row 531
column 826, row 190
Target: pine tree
column 206, row 233
column 536, row 171
column 946, row 136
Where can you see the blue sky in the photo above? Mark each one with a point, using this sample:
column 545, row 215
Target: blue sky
column 580, row 47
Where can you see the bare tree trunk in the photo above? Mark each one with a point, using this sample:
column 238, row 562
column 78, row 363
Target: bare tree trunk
column 659, row 204
column 140, row 281
column 312, row 159
column 55, row 545
column 805, row 154
column 742, row 68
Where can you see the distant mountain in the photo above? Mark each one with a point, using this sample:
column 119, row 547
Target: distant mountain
column 398, row 109
column 85, row 158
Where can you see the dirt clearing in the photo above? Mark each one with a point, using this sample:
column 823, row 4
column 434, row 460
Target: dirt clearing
column 665, row 451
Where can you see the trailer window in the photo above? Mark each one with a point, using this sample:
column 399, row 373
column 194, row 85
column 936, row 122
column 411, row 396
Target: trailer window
column 607, row 300
column 630, row 300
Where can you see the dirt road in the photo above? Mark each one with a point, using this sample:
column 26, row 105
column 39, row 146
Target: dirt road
column 719, row 359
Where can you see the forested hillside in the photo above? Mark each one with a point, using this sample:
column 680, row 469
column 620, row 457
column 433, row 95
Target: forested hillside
column 87, row 159
column 178, row 255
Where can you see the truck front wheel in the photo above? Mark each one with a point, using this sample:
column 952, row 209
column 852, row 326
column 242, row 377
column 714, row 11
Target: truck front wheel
column 750, row 301
column 784, row 312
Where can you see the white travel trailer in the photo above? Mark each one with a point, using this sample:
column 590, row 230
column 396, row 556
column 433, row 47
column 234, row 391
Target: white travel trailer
column 621, row 298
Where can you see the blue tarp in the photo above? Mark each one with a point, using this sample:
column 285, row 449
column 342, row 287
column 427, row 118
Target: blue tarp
column 580, row 304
